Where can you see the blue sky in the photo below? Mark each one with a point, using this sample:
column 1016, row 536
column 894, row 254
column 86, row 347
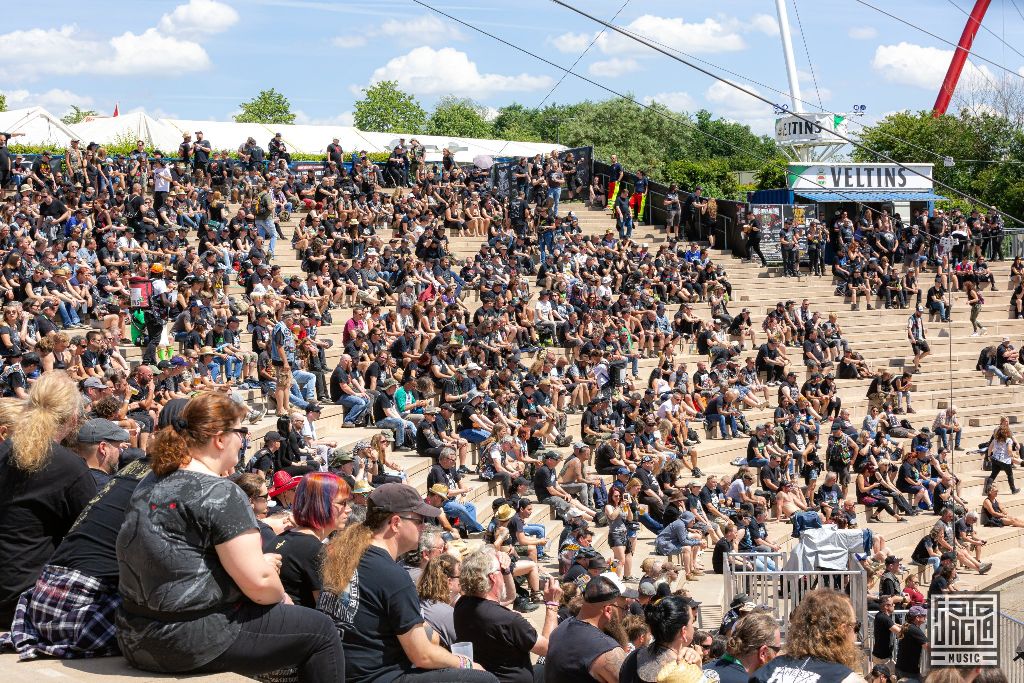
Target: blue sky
column 199, row 59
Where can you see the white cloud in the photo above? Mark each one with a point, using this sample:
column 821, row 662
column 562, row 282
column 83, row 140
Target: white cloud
column 919, row 66
column 29, row 54
column 349, row 42
column 808, row 92
column 571, row 42
column 764, row 23
column 345, row 118
column 426, row 71
column 203, row 17
column 707, row 37
column 862, row 32
column 423, row 30
column 55, row 100
column 613, row 68
column 676, row 101
column 733, row 104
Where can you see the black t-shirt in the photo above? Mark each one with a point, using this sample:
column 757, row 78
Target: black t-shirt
column 723, row 546
column 381, row 404
column 542, row 480
column 572, row 649
column 167, row 561
column 501, row 638
column 908, row 659
column 36, row 511
column 300, row 565
column 883, row 636
column 89, row 546
column 439, row 475
column 379, row 605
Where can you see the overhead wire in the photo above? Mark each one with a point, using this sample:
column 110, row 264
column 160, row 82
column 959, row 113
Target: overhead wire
column 574, row 64
column 810, row 62
column 939, row 38
column 986, row 28
column 671, row 116
column 758, row 96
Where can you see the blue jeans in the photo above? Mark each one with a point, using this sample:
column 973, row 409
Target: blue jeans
column 1003, row 377
column 68, row 314
column 465, row 512
column 626, row 227
column 265, row 229
column 724, row 420
column 232, row 367
column 537, row 531
column 939, row 307
column 473, row 435
column 651, row 523
column 764, row 565
column 547, row 242
column 943, row 435
column 554, row 193
column 355, row 406
column 296, row 398
column 306, row 382
column 405, row 431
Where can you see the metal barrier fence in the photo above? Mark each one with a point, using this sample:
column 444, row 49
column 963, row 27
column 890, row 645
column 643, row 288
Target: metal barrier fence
column 782, row 590
column 1011, row 633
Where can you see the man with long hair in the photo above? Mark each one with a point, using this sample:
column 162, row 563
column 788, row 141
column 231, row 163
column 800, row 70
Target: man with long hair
column 374, row 603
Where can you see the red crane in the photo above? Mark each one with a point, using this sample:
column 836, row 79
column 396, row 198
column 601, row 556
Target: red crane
column 956, row 65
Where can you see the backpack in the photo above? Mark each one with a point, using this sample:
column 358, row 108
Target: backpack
column 265, row 206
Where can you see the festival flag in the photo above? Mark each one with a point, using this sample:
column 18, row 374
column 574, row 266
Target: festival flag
column 115, row 109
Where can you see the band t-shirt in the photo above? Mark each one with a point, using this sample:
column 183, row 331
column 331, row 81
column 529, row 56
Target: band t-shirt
column 379, row 604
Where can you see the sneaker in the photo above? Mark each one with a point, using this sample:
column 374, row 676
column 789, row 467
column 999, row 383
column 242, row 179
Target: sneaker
column 697, row 473
column 256, row 415
column 464, row 470
column 985, row 566
column 523, row 605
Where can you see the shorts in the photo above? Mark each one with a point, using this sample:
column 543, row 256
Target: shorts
column 920, row 347
column 617, row 538
column 843, row 476
column 283, row 375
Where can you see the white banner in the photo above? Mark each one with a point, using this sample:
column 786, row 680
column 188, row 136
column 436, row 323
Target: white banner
column 860, row 177
column 816, row 128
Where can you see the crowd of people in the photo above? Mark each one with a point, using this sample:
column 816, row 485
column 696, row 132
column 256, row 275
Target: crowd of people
column 141, row 520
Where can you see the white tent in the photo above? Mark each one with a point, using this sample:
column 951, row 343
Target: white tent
column 166, row 135
column 127, row 128
column 37, row 127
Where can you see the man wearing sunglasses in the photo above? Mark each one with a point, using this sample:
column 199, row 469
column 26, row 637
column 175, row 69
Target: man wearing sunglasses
column 100, row 443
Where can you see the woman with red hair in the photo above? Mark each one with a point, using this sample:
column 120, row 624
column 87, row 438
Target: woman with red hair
column 321, row 507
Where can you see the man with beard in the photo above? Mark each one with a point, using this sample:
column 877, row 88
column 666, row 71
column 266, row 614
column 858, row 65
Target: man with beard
column 588, row 647
column 502, row 639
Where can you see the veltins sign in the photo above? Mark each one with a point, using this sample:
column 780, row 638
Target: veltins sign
column 810, row 128
column 863, row 177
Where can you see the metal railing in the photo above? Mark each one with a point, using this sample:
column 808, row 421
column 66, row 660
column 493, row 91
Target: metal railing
column 781, row 589
column 1011, row 634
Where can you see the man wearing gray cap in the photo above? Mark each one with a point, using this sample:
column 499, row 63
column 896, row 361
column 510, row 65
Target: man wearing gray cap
column 375, row 604
column 99, row 444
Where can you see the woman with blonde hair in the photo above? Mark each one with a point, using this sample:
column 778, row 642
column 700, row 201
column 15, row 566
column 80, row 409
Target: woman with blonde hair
column 821, row 640
column 439, row 589
column 43, row 486
column 53, row 352
column 200, row 596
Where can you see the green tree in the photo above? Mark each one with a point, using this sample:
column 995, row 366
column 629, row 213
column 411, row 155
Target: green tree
column 718, row 138
column 987, row 152
column 714, row 175
column 77, row 115
column 269, row 106
column 460, row 118
column 386, row 109
column 517, row 122
column 771, row 174
column 3, row 102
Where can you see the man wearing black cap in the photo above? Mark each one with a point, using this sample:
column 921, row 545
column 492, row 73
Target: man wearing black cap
column 376, row 606
column 581, row 649
column 264, row 459
column 545, row 484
